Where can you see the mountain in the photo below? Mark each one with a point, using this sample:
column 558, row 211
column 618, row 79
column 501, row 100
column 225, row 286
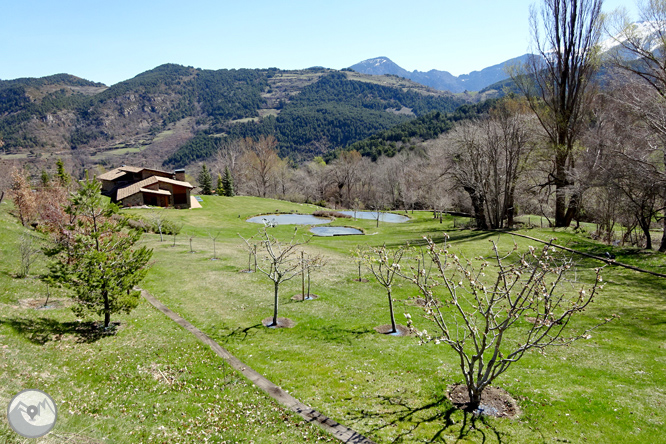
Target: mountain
column 649, row 33
column 183, row 114
column 441, row 80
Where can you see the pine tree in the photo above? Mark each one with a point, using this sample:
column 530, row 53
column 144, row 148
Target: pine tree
column 96, row 260
column 228, row 183
column 45, row 179
column 219, row 190
column 63, row 178
column 205, row 180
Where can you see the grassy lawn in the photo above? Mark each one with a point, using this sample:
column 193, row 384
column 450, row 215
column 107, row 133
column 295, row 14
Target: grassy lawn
column 610, row 388
column 152, row 382
column 393, row 389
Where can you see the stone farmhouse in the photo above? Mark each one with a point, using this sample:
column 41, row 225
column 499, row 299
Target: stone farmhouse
column 135, row 186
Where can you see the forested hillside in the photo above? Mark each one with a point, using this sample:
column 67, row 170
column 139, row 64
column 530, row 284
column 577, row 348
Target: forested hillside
column 400, row 137
column 330, row 113
column 177, row 114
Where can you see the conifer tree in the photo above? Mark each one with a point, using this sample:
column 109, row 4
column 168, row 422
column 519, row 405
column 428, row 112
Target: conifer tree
column 228, row 183
column 205, row 180
column 96, row 260
column 64, row 178
column 219, row 190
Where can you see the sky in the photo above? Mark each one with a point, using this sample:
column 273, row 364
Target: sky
column 111, row 41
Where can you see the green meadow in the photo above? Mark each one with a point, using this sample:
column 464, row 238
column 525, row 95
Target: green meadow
column 153, row 379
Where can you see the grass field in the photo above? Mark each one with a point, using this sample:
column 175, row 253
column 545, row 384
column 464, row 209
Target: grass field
column 152, row 382
column 610, row 388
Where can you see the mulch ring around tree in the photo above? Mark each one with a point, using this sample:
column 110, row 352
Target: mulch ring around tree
column 281, row 323
column 495, row 401
column 41, row 303
column 386, row 329
column 308, row 297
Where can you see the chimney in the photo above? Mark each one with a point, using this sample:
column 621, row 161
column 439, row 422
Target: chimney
column 180, row 175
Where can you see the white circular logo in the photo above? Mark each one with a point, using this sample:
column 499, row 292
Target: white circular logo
column 32, row 413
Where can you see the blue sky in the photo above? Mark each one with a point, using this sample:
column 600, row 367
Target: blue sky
column 115, row 40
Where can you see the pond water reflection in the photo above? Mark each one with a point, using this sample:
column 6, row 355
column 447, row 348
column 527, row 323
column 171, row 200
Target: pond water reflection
column 334, row 231
column 289, row 219
column 383, row 217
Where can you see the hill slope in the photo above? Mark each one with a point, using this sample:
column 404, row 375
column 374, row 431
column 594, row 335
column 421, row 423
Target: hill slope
column 153, row 115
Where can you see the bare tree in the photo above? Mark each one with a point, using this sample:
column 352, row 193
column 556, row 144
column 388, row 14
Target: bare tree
column 557, row 82
column 262, row 161
column 23, row 197
column 158, row 219
column 483, row 318
column 176, row 227
column 28, row 252
column 385, row 266
column 346, row 172
column 488, row 157
column 639, row 51
column 469, row 167
column 280, row 262
column 214, row 238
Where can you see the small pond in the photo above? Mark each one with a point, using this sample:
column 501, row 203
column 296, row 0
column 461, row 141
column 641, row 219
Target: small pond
column 334, row 231
column 289, row 219
column 383, row 217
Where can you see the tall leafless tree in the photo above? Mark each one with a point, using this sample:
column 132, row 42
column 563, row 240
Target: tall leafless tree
column 640, row 52
column 558, row 82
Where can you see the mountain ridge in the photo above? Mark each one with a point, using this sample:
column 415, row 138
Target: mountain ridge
column 441, row 80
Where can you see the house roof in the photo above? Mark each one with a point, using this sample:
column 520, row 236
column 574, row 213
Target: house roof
column 140, row 187
column 156, row 171
column 175, row 182
column 112, row 175
column 118, row 172
column 135, row 188
column 131, row 169
column 160, row 192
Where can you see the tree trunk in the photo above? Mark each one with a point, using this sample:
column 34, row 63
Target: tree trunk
column 662, row 245
column 474, row 398
column 390, row 299
column 275, row 306
column 560, row 186
column 479, row 208
column 574, row 204
column 645, row 226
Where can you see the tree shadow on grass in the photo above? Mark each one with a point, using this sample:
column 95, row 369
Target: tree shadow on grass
column 240, row 333
column 42, row 330
column 408, row 419
column 453, row 237
column 340, row 334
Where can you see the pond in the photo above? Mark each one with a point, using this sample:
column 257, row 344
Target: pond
column 334, row 231
column 383, row 217
column 289, row 219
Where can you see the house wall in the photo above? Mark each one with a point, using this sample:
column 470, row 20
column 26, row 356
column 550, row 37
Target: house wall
column 107, row 186
column 133, row 200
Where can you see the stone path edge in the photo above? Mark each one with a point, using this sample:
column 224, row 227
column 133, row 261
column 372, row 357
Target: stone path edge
column 339, row 431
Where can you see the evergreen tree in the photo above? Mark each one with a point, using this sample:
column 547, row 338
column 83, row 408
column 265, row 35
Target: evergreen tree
column 96, row 260
column 45, row 179
column 205, row 180
column 219, row 190
column 63, row 178
column 228, row 183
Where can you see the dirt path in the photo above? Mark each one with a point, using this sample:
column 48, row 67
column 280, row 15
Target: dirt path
column 339, row 431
